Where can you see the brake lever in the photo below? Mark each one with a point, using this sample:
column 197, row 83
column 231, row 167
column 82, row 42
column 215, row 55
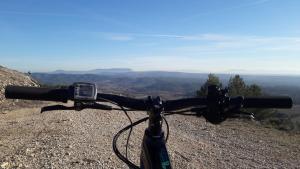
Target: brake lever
column 56, row 107
column 91, row 105
column 240, row 114
column 199, row 110
column 78, row 106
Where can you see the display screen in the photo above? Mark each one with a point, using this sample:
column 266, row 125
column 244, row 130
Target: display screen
column 85, row 91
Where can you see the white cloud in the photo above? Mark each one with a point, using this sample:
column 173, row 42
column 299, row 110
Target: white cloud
column 246, row 43
column 217, row 42
column 131, row 36
column 197, row 37
column 120, row 37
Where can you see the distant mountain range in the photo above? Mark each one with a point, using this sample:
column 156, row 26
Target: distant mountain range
column 130, row 73
column 94, row 71
column 265, row 80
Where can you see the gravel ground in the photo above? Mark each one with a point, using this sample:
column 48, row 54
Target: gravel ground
column 70, row 139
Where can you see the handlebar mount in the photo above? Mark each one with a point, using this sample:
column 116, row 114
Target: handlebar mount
column 217, row 102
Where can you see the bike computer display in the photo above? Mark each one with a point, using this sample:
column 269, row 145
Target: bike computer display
column 85, row 91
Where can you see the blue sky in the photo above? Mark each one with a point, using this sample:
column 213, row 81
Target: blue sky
column 248, row 36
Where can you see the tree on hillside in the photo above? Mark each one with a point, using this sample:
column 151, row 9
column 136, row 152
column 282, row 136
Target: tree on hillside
column 253, row 90
column 236, row 86
column 212, row 80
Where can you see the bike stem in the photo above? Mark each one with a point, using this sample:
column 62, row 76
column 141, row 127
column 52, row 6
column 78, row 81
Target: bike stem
column 155, row 117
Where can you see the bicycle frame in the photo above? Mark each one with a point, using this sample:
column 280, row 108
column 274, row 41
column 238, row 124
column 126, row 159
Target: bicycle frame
column 154, row 154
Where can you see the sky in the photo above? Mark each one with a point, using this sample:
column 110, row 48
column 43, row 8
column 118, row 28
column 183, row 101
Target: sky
column 245, row 36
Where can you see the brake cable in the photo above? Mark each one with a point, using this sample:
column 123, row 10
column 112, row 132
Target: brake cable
column 129, row 134
column 115, row 148
column 116, row 137
column 167, row 125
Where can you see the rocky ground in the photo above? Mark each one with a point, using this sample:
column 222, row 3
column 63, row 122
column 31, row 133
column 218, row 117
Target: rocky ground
column 70, row 139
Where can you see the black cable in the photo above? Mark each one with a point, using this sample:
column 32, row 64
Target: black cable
column 167, row 125
column 125, row 109
column 129, row 134
column 180, row 112
column 115, row 139
column 109, row 101
column 187, row 112
column 184, row 114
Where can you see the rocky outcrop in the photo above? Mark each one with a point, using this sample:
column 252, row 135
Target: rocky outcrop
column 12, row 77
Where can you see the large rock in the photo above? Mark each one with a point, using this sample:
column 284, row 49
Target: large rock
column 12, row 77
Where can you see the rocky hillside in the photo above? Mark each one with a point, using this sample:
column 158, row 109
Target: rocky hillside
column 12, row 77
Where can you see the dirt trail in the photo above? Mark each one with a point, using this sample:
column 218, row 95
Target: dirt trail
column 69, row 139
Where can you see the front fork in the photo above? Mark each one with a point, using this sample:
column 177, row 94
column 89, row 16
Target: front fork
column 154, row 153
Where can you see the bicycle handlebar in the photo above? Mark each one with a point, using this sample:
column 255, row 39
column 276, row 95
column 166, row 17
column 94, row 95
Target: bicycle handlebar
column 268, row 102
column 132, row 103
column 63, row 95
column 37, row 93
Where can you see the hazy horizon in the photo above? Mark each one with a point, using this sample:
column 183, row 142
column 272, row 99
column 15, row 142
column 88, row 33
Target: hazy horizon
column 240, row 72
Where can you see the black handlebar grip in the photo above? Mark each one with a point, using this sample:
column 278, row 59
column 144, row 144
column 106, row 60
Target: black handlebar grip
column 267, row 102
column 171, row 105
column 37, row 93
